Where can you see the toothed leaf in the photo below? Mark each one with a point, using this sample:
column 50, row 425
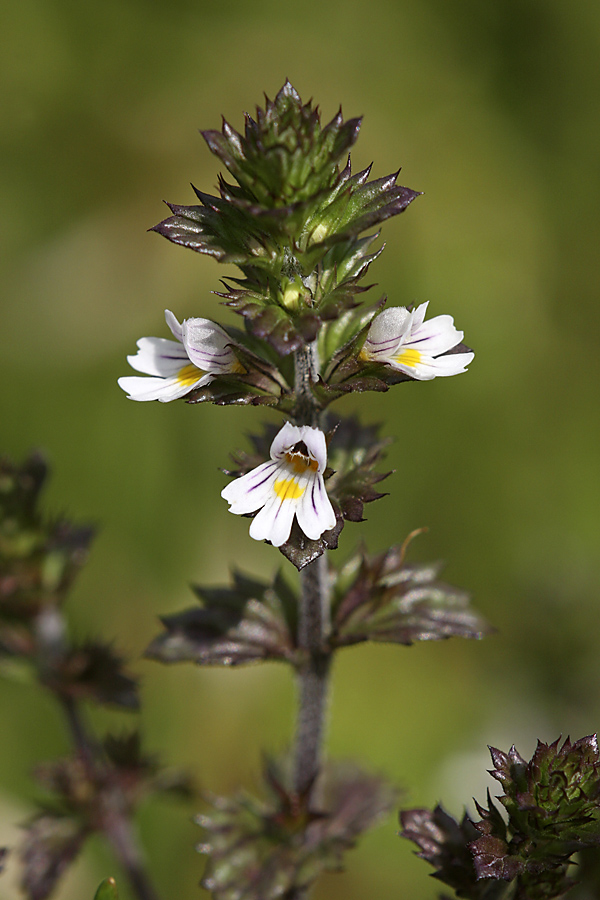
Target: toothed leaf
column 274, row 847
column 249, row 621
column 385, row 599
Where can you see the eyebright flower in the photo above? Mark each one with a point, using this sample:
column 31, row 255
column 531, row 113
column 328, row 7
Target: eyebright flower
column 402, row 340
column 291, row 484
column 202, row 350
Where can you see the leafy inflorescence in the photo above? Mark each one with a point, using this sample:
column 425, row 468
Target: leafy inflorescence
column 292, row 219
column 552, row 804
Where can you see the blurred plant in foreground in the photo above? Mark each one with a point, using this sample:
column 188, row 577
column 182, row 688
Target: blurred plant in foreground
column 99, row 786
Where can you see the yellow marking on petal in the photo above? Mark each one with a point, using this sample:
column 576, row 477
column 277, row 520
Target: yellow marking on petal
column 301, row 463
column 408, row 357
column 237, row 368
column 288, row 489
column 189, row 375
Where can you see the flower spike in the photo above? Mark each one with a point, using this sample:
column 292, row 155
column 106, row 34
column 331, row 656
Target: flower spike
column 202, row 351
column 291, row 484
column 404, row 341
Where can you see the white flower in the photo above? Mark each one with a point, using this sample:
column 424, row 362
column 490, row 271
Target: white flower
column 202, row 350
column 402, row 340
column 291, row 484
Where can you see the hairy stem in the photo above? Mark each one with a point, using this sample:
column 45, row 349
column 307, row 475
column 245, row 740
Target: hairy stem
column 112, row 811
column 114, row 818
column 313, row 616
column 313, row 676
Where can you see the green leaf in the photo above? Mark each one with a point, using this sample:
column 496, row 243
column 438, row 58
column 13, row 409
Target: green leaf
column 107, row 890
column 271, row 322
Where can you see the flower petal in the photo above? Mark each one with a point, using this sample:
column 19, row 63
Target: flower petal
column 158, row 356
column 419, row 315
column 437, row 335
column 314, row 512
column 429, row 367
column 285, row 439
column 316, row 445
column 173, row 324
column 388, row 327
column 274, row 521
column 163, row 389
column 253, row 490
column 208, row 345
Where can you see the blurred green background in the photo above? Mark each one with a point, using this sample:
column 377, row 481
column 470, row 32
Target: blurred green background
column 492, row 109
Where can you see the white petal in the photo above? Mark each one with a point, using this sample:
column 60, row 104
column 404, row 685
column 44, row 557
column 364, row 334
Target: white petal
column 274, row 521
column 173, row 324
column 429, row 367
column 453, row 363
column 163, row 389
column 207, row 345
column 315, row 513
column 419, row 315
column 316, row 445
column 437, row 335
column 253, row 490
column 285, row 440
column 158, row 356
column 388, row 330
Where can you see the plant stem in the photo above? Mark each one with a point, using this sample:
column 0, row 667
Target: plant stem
column 313, row 676
column 112, row 813
column 313, row 615
column 112, row 808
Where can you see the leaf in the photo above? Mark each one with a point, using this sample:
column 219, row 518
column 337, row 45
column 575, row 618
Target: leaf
column 301, row 550
column 444, row 843
column 271, row 322
column 354, row 452
column 276, row 846
column 383, row 599
column 94, row 672
column 51, row 844
column 107, row 890
column 39, row 556
column 139, row 774
column 247, row 622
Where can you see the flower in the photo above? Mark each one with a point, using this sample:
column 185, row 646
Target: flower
column 402, row 340
column 291, row 484
column 202, row 350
